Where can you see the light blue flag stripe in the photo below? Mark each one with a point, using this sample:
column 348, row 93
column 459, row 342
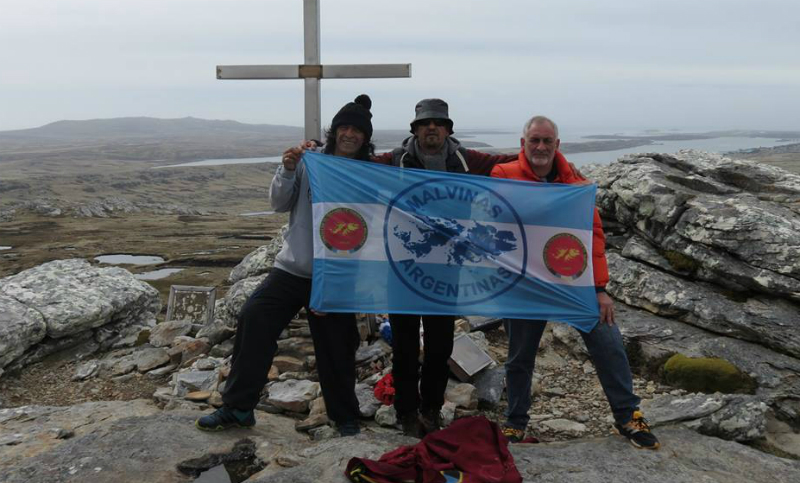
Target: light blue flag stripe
column 372, row 287
column 343, row 180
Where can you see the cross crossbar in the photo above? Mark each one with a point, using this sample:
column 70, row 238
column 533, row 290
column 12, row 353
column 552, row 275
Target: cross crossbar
column 303, row 71
column 312, row 70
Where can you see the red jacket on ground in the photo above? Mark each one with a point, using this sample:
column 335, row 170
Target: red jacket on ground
column 521, row 170
column 470, row 450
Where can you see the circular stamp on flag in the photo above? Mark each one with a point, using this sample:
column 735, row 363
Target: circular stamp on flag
column 343, row 230
column 565, row 256
column 455, row 242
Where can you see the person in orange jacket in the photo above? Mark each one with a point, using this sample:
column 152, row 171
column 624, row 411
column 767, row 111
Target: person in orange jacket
column 540, row 161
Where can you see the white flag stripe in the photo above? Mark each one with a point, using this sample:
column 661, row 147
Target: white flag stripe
column 374, row 248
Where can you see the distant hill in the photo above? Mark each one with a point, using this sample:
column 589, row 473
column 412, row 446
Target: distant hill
column 149, row 128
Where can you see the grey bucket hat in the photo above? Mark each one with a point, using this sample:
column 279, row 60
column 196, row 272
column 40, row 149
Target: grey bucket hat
column 432, row 109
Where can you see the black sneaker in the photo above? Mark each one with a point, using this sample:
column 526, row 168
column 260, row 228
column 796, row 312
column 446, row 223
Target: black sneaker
column 348, row 428
column 638, row 432
column 430, row 420
column 224, row 418
column 410, row 424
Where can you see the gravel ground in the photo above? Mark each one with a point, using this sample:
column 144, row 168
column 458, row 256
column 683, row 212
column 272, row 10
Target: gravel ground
column 564, row 388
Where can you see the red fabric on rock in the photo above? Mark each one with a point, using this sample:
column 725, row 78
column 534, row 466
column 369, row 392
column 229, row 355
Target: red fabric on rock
column 384, row 390
column 474, row 446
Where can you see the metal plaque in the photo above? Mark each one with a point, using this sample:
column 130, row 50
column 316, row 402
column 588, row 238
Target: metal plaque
column 467, row 358
column 191, row 303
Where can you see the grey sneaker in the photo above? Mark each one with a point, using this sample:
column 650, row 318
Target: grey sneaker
column 224, row 418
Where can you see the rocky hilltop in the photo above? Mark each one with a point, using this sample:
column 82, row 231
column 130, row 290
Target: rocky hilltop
column 704, row 254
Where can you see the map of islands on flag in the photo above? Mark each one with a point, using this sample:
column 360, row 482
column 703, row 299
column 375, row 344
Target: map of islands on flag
column 392, row 240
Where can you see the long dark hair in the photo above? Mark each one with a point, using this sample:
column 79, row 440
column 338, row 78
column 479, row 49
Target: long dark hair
column 364, row 154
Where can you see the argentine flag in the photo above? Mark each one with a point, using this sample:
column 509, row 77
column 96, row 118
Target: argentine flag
column 395, row 240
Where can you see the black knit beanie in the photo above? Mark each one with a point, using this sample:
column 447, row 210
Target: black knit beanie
column 356, row 114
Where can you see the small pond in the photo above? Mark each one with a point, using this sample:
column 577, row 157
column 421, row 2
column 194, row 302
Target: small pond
column 157, row 274
column 122, row 259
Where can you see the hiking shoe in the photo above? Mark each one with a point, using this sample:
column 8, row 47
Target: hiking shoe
column 224, row 418
column 410, row 424
column 638, row 432
column 513, row 435
column 348, row 428
column 430, row 420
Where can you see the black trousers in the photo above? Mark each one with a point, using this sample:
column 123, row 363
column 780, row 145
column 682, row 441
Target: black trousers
column 432, row 383
column 264, row 316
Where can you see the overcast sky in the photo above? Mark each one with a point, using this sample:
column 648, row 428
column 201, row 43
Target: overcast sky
column 591, row 65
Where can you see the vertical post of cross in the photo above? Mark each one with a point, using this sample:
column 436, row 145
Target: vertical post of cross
column 311, row 47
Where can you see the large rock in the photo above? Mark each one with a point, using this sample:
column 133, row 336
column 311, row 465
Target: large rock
column 734, row 417
column 20, row 328
column 770, row 322
column 127, row 441
column 259, row 261
column 722, row 220
column 133, row 441
column 71, row 297
column 651, row 340
column 227, row 310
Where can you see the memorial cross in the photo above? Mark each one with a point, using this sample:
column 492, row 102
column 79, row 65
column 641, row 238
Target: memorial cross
column 312, row 70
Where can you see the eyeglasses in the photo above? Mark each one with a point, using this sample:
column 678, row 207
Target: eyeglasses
column 436, row 122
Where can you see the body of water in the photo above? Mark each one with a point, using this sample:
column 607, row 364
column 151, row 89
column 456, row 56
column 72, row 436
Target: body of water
column 510, row 139
column 220, row 162
column 157, row 274
column 122, row 259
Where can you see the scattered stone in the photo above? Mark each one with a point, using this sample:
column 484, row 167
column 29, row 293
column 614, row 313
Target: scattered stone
column 198, row 396
column 368, row 404
column 162, row 371
column 311, row 422
column 288, row 364
column 164, row 333
column 11, row 439
column 555, row 392
column 464, row 395
column 222, row 349
column 150, row 358
column 323, row 433
column 386, row 416
column 377, row 349
column 565, row 426
column 490, row 384
column 191, row 381
column 61, row 433
column 86, row 370
column 293, row 395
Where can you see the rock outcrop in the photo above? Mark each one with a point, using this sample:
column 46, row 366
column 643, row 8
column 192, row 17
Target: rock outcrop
column 64, row 303
column 102, row 208
column 119, row 442
column 706, row 252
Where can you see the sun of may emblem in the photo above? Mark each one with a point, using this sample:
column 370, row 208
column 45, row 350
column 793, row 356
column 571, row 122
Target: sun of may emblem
column 343, row 230
column 565, row 256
